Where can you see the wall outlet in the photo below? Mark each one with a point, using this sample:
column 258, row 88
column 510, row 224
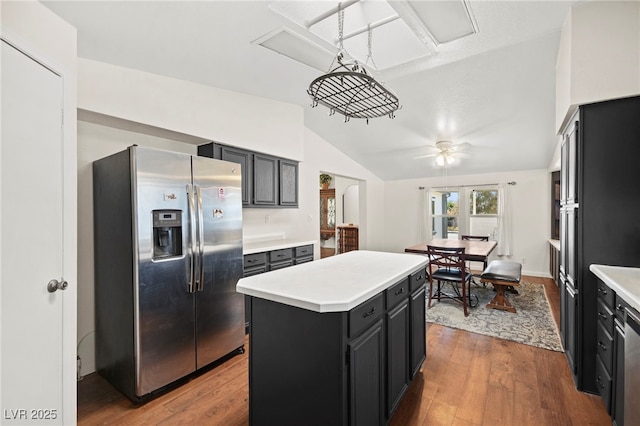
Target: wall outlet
column 309, row 218
column 267, row 219
column 523, row 261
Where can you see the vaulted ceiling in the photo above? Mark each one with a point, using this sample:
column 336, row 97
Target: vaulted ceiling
column 492, row 85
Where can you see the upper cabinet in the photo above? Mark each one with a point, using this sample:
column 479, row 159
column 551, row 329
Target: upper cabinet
column 245, row 159
column 288, row 183
column 569, row 170
column 598, row 56
column 267, row 181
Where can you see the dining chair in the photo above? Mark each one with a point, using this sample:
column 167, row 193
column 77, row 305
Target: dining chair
column 447, row 264
column 484, row 264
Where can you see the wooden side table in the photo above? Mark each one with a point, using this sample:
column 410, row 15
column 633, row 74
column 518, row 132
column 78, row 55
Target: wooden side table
column 348, row 238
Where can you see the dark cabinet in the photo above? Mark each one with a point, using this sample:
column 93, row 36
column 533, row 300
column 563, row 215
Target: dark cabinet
column 570, row 163
column 366, row 377
column 303, row 254
column 397, row 354
column 617, row 404
column 600, row 201
column 258, row 263
column 352, row 369
column 279, row 259
column 267, row 181
column 570, row 306
column 418, row 340
column 245, row 159
column 610, row 372
column 288, row 183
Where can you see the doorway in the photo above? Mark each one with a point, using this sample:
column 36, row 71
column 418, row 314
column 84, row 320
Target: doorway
column 339, row 205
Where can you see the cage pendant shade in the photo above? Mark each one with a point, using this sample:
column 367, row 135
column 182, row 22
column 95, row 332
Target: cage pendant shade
column 349, row 89
column 354, row 94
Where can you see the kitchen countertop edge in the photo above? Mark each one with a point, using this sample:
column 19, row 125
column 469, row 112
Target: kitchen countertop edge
column 270, row 245
column 348, row 298
column 625, row 281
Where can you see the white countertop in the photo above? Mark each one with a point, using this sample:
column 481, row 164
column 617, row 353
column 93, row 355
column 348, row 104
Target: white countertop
column 623, row 280
column 333, row 284
column 277, row 244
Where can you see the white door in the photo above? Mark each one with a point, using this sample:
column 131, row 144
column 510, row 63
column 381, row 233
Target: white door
column 32, row 241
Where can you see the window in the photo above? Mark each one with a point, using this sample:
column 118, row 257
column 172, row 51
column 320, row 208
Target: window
column 483, row 212
column 445, row 209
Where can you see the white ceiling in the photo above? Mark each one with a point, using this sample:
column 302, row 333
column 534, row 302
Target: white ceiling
column 494, row 89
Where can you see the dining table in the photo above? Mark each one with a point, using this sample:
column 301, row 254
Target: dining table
column 475, row 251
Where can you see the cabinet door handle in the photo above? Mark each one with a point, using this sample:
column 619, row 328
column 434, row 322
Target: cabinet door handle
column 620, row 308
column 602, row 346
column 367, row 314
column 602, row 291
column 603, row 316
column 400, row 291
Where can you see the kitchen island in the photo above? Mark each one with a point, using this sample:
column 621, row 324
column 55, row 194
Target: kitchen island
column 336, row 341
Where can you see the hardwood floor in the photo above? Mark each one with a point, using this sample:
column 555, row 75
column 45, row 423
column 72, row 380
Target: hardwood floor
column 467, row 379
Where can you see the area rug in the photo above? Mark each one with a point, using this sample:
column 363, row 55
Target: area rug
column 532, row 324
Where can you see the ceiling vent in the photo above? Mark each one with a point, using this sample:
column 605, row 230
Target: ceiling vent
column 289, row 43
column 442, row 21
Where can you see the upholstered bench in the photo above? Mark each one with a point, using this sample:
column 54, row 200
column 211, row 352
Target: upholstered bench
column 502, row 274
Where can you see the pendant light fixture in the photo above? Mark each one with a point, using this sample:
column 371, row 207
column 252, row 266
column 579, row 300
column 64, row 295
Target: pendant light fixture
column 349, row 89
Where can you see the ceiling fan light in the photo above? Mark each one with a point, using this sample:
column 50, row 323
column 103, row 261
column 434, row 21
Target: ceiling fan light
column 450, row 159
column 440, row 159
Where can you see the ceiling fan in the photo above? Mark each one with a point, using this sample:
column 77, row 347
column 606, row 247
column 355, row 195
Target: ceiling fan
column 446, row 152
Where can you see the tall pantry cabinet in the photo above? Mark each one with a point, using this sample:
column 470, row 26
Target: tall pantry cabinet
column 599, row 221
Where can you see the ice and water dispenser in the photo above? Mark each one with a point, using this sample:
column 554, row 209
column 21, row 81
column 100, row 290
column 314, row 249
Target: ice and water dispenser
column 167, row 234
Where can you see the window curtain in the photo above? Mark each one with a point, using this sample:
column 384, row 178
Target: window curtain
column 504, row 221
column 426, row 233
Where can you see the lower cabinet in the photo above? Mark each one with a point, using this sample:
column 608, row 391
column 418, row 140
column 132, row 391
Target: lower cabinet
column 569, row 329
column 366, row 377
column 418, row 339
column 336, row 368
column 610, row 372
column 258, row 263
column 617, row 404
column 397, row 354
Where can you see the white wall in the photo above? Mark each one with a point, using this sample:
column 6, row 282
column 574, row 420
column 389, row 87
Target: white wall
column 236, row 119
column 97, row 140
column 598, row 56
column 529, row 201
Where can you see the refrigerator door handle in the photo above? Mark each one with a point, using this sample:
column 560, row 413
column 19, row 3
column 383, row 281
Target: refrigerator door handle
column 192, row 237
column 200, row 270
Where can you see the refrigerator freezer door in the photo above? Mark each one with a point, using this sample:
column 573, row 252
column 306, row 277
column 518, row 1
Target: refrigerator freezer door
column 164, row 309
column 219, row 308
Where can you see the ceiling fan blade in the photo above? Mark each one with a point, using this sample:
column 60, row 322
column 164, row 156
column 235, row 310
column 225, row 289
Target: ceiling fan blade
column 460, row 147
column 425, row 156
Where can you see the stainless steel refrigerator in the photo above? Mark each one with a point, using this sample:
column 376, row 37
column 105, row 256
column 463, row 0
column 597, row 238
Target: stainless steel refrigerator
column 168, row 255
